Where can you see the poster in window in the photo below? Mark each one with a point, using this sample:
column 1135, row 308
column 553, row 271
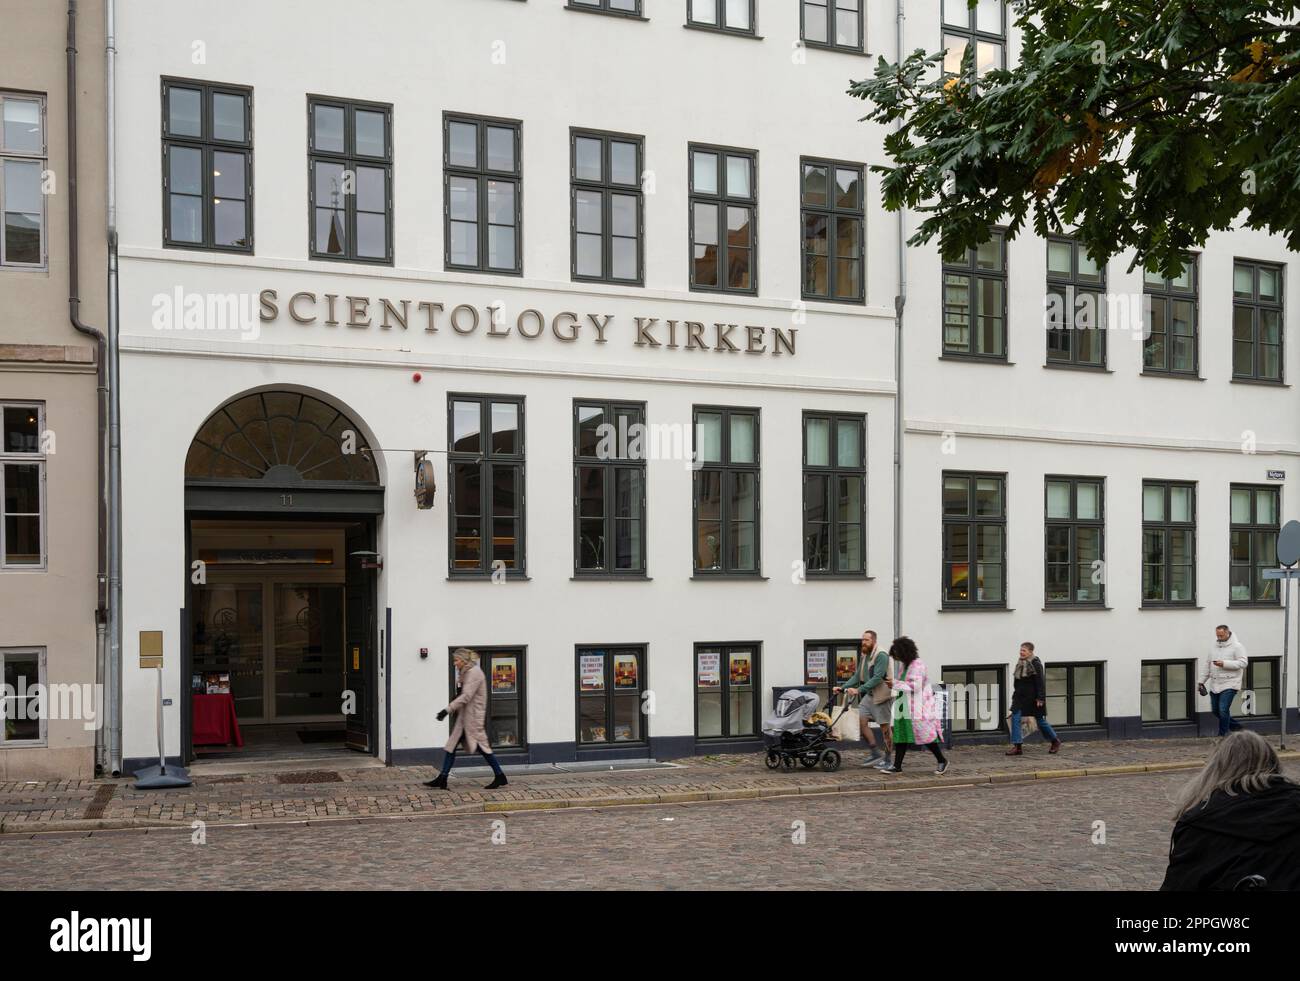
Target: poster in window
column 709, row 669
column 504, row 675
column 591, row 672
column 740, row 668
column 217, row 682
column 846, row 662
column 815, row 670
column 625, row 671
column 623, row 734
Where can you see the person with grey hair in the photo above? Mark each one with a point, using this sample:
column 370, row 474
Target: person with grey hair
column 1238, row 823
column 470, row 707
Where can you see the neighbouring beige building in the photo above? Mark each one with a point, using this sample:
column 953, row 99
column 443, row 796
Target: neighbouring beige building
column 49, row 592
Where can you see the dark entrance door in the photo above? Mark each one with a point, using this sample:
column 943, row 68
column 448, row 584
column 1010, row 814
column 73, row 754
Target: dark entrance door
column 361, row 634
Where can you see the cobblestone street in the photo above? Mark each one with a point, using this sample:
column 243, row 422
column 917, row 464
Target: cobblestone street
column 986, row 836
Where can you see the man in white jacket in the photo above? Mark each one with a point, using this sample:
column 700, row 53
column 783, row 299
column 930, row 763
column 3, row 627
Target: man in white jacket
column 1224, row 674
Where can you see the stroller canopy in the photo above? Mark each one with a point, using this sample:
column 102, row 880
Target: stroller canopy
column 790, row 711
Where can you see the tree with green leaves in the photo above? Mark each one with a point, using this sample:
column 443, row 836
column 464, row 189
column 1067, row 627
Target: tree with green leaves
column 1142, row 124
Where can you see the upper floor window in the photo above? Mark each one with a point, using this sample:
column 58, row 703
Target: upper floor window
column 608, row 223
column 1171, row 342
column 834, row 493
column 984, row 26
column 733, row 16
column 832, row 23
column 609, row 496
column 974, row 540
column 485, row 455
column 975, row 302
column 350, row 191
column 1257, row 321
column 22, row 484
column 23, row 164
column 1076, row 303
column 626, row 8
column 833, row 219
column 1255, row 525
column 482, row 194
column 726, row 491
column 1075, row 542
column 724, row 202
column 1168, row 543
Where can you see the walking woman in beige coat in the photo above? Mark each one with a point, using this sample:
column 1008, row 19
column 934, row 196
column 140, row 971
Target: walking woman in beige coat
column 470, row 708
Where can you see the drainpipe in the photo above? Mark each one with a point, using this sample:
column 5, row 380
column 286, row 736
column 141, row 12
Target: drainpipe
column 114, row 404
column 900, row 301
column 101, row 390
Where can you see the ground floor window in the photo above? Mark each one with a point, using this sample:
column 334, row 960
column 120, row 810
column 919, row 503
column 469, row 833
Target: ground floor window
column 1074, row 694
column 610, row 683
column 1261, row 683
column 976, row 695
column 726, row 690
column 23, row 670
column 824, row 660
column 503, row 668
column 1167, row 690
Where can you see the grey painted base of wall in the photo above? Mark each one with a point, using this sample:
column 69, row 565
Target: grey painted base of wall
column 1203, row 726
column 665, row 748
column 131, row 764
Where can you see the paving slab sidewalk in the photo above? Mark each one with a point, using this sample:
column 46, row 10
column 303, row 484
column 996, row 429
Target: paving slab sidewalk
column 326, row 794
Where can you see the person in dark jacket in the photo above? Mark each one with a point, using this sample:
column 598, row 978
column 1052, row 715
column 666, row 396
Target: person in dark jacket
column 1030, row 698
column 1238, row 823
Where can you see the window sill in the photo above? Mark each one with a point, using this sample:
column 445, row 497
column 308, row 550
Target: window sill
column 975, row 359
column 487, row 577
column 583, row 9
column 730, row 577
column 844, row 301
column 1245, row 605
column 1077, row 608
column 842, row 49
column 1170, row 606
column 706, row 28
column 838, row 577
column 977, row 609
column 1259, row 381
column 1095, row 369
column 599, row 578
column 1182, row 375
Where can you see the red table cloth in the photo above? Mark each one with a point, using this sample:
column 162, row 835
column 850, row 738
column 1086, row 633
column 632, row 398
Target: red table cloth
column 214, row 722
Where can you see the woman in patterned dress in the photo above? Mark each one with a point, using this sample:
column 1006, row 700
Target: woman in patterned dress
column 916, row 720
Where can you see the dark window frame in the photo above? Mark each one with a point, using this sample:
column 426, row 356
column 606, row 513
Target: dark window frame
column 725, row 650
column 972, row 522
column 1165, row 526
column 1073, row 523
column 1070, row 667
column 207, row 145
column 1189, row 708
column 726, row 468
column 1252, row 528
column 486, row 459
column 482, row 175
column 642, row 651
column 520, row 652
column 723, row 200
column 1257, row 306
column 720, row 25
column 829, row 45
column 611, row 408
column 972, row 34
column 350, row 161
column 974, row 274
column 1248, row 683
column 833, row 213
column 1169, row 293
column 834, row 472
column 969, row 671
column 603, row 7
column 607, row 189
column 1070, row 285
column 832, row 675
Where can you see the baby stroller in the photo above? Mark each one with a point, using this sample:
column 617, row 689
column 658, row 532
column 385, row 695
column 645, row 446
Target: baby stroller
column 796, row 734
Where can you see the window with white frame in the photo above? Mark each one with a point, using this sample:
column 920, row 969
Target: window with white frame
column 22, row 480
column 22, row 671
column 22, row 166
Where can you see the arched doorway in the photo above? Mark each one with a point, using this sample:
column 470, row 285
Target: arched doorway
column 282, row 497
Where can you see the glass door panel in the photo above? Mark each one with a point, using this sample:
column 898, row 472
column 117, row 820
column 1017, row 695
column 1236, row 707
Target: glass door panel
column 308, row 650
column 228, row 640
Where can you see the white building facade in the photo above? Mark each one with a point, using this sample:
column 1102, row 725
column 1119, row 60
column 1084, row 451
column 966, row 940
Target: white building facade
column 497, row 236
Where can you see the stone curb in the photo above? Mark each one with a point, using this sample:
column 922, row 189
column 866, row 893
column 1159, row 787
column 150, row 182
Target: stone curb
column 19, row 829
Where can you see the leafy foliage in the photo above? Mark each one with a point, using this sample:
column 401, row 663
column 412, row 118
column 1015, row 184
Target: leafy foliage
column 1143, row 124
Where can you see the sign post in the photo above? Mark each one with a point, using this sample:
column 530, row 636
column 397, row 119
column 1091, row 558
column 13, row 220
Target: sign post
column 1288, row 554
column 161, row 776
